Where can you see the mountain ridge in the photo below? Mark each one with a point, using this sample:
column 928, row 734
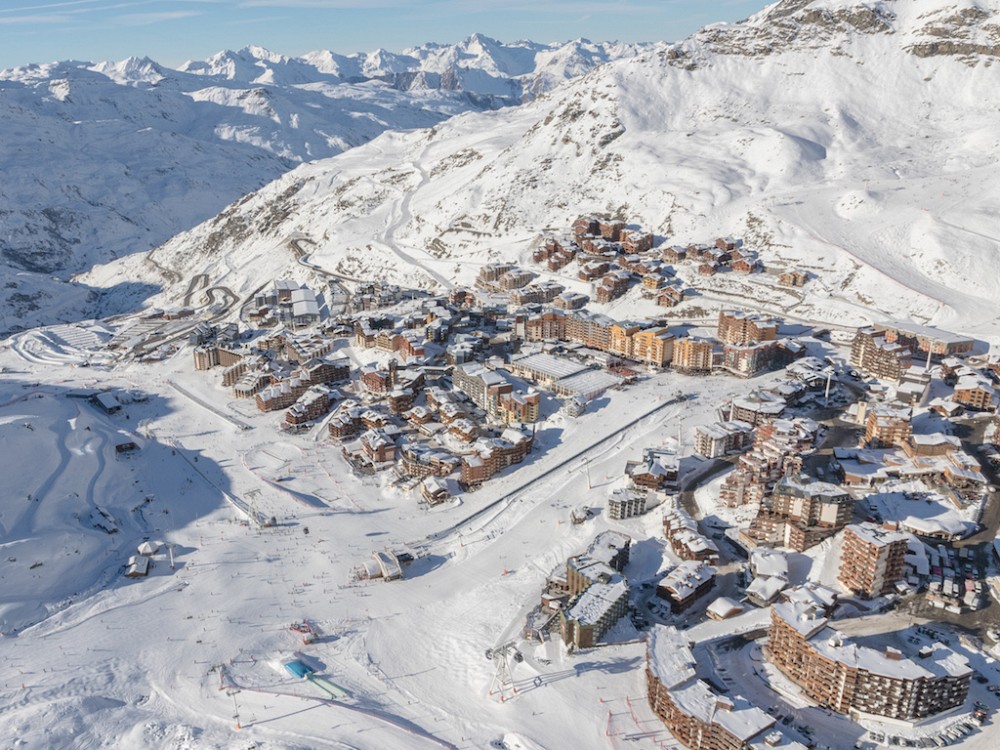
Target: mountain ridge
column 111, row 158
column 878, row 142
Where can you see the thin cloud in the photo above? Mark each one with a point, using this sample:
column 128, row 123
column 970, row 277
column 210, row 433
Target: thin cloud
column 48, row 6
column 38, row 18
column 323, row 4
column 146, row 19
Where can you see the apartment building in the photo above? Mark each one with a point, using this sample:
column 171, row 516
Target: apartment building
column 887, row 425
column 738, row 327
column 475, row 380
column 698, row 717
column 492, row 455
column 850, row 678
column 624, row 503
column 777, row 452
column 923, row 339
column 722, row 438
column 872, row 559
column 547, row 326
column 653, row 346
column 874, row 354
column 799, row 514
column 519, row 408
column 750, row 358
column 692, row 355
column 598, row 593
column 590, row 329
column 975, row 391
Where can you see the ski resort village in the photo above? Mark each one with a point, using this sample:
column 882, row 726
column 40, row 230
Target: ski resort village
column 336, row 507
column 505, row 396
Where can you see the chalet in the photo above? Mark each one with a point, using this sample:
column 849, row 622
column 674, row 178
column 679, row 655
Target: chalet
column 434, row 490
column 612, row 286
column 378, row 381
column 492, row 455
column 400, row 400
column 674, row 254
column 636, row 241
column 107, row 402
column 593, row 270
column 586, row 226
column 686, row 583
column 792, row 278
column 670, row 296
column 975, row 391
column 570, row 301
column 686, row 541
column 464, row 430
column 378, row 446
column 654, row 472
column 746, row 265
column 137, row 566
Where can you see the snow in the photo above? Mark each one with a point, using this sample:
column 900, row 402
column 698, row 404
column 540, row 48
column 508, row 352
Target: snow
column 115, row 158
column 411, row 649
column 887, row 200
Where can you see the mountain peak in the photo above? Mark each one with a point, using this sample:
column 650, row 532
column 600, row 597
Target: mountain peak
column 967, row 29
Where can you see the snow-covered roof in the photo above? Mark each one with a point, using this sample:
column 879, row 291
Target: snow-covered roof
column 724, row 607
column 766, row 588
column 588, row 383
column 735, row 715
column 669, row 656
column 687, row 577
column 548, row 365
column 598, row 599
column 768, row 562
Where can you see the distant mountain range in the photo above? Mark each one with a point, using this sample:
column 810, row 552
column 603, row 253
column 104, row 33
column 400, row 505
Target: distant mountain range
column 855, row 140
column 107, row 159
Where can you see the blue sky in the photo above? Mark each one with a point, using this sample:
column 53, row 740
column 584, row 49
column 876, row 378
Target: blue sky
column 172, row 31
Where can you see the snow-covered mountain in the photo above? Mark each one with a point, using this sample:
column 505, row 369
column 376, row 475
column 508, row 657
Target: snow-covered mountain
column 856, row 140
column 102, row 160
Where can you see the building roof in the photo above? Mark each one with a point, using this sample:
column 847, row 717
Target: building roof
column 768, row 562
column 669, row 655
column 766, row 588
column 938, row 661
column 936, row 334
column 687, row 577
column 875, row 535
column 724, row 607
column 736, row 716
column 597, row 600
column 588, row 383
column 548, row 365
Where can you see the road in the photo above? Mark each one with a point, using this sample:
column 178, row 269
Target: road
column 511, row 496
column 332, row 278
column 403, row 216
column 198, row 282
